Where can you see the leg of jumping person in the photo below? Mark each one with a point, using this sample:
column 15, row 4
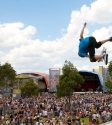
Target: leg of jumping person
column 106, row 40
column 99, row 44
column 94, row 44
column 91, row 49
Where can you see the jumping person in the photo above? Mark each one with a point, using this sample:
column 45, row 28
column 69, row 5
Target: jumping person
column 87, row 46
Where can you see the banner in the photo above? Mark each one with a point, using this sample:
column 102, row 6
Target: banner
column 53, row 79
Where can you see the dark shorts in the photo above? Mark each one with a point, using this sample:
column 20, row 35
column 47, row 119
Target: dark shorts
column 91, row 48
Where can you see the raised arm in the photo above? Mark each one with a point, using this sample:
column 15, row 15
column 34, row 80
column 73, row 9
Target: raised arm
column 82, row 31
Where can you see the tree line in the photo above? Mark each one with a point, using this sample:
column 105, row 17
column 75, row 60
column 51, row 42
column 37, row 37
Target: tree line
column 68, row 80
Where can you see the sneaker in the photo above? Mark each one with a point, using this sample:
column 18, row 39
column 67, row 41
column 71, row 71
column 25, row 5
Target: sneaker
column 106, row 61
column 111, row 38
column 104, row 55
column 105, row 58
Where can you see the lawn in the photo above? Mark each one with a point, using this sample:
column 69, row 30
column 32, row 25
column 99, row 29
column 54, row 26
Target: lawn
column 86, row 120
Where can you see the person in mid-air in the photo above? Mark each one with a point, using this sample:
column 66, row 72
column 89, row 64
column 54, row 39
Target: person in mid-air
column 87, row 46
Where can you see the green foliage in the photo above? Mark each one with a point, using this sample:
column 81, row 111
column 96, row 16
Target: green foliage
column 7, row 73
column 69, row 80
column 22, row 76
column 2, row 83
column 108, row 84
column 110, row 69
column 30, row 88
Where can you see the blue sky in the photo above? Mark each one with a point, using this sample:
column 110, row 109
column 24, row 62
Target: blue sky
column 36, row 35
column 48, row 16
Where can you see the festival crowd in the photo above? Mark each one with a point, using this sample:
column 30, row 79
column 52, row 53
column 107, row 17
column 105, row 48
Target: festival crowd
column 50, row 110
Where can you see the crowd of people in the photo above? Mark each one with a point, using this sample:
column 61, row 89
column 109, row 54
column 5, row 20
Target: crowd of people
column 50, row 110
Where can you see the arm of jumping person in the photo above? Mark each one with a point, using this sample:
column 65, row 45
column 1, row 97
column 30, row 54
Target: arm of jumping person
column 82, row 31
column 96, row 57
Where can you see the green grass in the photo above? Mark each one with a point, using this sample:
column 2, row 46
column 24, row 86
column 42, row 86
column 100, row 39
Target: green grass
column 86, row 120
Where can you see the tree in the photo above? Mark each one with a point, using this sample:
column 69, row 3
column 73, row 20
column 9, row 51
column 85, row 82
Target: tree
column 69, row 80
column 110, row 69
column 30, row 88
column 7, row 73
column 108, row 84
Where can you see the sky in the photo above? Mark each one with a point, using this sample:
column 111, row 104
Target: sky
column 36, row 35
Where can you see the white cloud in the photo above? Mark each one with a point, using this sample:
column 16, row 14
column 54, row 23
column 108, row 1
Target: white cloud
column 25, row 54
column 13, row 35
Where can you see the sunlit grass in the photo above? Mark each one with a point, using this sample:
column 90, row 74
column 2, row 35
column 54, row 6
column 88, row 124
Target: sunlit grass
column 86, row 120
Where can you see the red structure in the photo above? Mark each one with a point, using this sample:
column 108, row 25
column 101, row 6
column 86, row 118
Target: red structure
column 42, row 79
column 92, row 81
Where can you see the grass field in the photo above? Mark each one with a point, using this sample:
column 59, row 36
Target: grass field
column 86, row 120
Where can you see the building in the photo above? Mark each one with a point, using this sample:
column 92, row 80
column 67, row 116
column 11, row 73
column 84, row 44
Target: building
column 103, row 73
column 39, row 78
column 53, row 78
column 92, row 81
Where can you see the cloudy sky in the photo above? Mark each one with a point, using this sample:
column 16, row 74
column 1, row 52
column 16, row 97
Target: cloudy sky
column 36, row 35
